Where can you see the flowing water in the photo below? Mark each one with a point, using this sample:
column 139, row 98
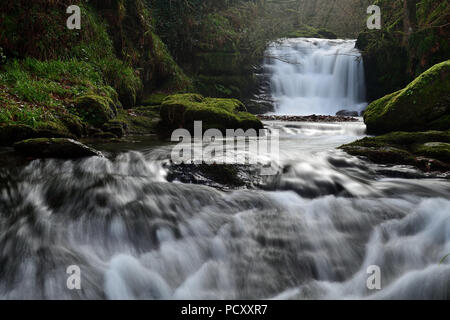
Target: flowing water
column 308, row 232
column 315, row 76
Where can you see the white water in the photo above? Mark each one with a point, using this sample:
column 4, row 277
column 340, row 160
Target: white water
column 310, row 234
column 315, row 76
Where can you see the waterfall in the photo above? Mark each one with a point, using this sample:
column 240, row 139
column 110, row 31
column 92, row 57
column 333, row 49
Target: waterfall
column 315, row 76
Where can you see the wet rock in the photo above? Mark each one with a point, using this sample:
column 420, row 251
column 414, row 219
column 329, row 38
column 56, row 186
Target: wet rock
column 54, row 148
column 259, row 107
column 347, row 113
column 428, row 151
column 221, row 176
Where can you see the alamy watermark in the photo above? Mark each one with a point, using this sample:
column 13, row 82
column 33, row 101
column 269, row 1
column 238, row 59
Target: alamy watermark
column 374, row 279
column 248, row 147
column 74, row 20
column 74, row 279
column 374, row 20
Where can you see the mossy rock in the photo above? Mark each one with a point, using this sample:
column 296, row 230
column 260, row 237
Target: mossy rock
column 54, row 148
column 143, row 120
column 12, row 133
column 74, row 125
column 53, row 129
column 182, row 110
column 435, row 150
column 116, row 127
column 95, row 110
column 420, row 106
column 155, row 99
column 428, row 150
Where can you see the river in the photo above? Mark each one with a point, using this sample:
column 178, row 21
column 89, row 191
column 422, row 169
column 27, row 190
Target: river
column 309, row 231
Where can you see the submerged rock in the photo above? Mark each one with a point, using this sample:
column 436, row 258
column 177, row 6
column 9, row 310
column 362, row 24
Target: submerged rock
column 181, row 110
column 54, row 148
column 221, row 176
column 423, row 105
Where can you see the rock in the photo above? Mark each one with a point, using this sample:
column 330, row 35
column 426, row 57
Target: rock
column 74, row 125
column 347, row 113
column 54, row 148
column 12, row 133
column 423, row 105
column 117, row 128
column 428, row 151
column 259, row 107
column 95, row 110
column 181, row 110
column 221, row 176
column 435, row 150
column 52, row 129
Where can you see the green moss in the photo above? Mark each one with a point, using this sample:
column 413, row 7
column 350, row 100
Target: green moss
column 139, row 123
column 154, row 99
column 52, row 129
column 183, row 109
column 95, row 110
column 417, row 107
column 306, row 31
column 435, row 150
column 406, row 148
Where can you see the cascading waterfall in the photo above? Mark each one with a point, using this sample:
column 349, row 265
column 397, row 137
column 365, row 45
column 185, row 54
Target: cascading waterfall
column 315, row 76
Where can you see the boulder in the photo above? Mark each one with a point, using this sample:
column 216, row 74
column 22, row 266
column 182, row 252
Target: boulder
column 182, row 110
column 347, row 113
column 95, row 110
column 54, row 148
column 423, row 105
column 117, row 128
column 428, row 151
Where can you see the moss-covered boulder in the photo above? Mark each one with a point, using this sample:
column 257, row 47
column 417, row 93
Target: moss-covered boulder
column 423, row 105
column 11, row 133
column 54, row 148
column 435, row 150
column 52, row 129
column 116, row 127
column 181, row 110
column 428, row 150
column 95, row 110
column 74, row 125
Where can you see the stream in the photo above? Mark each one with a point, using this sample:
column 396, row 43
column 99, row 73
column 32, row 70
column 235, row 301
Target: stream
column 309, row 231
